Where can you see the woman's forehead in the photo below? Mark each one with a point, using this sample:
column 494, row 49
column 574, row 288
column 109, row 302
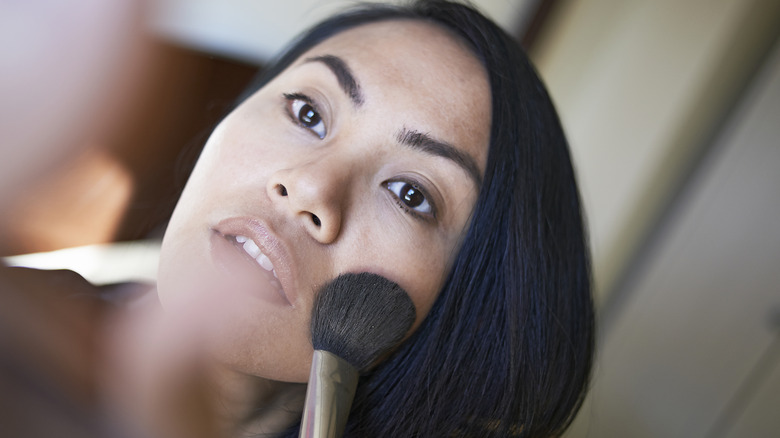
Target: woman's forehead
column 425, row 69
column 403, row 42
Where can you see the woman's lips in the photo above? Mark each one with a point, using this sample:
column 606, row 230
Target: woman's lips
column 254, row 243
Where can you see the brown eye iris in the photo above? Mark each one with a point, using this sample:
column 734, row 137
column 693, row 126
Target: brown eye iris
column 308, row 116
column 411, row 196
column 303, row 113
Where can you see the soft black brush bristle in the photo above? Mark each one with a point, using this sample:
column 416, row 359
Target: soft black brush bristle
column 360, row 317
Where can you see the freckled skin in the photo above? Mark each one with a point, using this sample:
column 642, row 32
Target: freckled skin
column 412, row 75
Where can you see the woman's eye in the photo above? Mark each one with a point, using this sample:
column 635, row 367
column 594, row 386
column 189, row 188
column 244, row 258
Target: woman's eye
column 411, row 197
column 306, row 115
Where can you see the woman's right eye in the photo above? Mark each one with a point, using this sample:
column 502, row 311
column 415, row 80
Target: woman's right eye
column 305, row 114
column 412, row 199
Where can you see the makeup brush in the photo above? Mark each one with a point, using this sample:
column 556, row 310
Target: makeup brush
column 356, row 319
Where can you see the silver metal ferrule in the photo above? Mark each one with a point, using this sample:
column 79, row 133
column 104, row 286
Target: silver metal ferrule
column 332, row 384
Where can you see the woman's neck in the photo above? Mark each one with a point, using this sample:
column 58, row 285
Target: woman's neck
column 162, row 362
column 252, row 406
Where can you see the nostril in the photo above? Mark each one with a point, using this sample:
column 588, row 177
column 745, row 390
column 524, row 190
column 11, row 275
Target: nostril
column 316, row 220
column 281, row 189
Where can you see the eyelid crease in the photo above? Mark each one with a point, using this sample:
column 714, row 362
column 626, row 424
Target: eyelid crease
column 300, row 96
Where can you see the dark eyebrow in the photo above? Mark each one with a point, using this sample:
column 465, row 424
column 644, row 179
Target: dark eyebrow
column 344, row 75
column 425, row 143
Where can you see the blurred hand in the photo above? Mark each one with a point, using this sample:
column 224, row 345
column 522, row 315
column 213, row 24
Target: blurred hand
column 49, row 354
column 64, row 68
column 158, row 377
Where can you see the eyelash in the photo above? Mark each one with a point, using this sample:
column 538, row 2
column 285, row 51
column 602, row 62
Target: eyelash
column 427, row 200
column 295, row 115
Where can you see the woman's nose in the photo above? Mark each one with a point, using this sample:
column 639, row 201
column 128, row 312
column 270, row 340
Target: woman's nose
column 314, row 193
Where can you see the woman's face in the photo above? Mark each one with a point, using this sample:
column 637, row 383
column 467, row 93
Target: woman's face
column 364, row 155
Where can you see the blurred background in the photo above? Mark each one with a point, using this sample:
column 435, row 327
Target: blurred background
column 672, row 109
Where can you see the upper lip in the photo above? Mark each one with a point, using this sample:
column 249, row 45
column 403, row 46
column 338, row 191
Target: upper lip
column 273, row 247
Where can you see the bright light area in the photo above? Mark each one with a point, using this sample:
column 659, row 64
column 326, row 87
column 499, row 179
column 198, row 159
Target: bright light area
column 100, row 264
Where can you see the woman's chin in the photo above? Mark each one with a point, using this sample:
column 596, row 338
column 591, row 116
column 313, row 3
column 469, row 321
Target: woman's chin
column 241, row 333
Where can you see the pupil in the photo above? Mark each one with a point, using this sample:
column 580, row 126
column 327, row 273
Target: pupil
column 308, row 116
column 412, row 196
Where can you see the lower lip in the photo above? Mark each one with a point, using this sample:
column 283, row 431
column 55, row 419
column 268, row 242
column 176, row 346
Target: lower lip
column 244, row 272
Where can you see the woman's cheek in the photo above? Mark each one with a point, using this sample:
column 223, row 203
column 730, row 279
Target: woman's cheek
column 418, row 266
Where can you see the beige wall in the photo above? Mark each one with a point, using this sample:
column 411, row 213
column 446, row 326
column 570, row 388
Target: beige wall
column 660, row 103
column 640, row 86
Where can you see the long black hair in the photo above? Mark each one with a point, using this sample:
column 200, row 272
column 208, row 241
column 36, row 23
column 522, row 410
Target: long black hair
column 507, row 348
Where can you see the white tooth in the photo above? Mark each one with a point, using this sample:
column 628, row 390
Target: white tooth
column 274, row 272
column 251, row 248
column 265, row 262
column 241, row 239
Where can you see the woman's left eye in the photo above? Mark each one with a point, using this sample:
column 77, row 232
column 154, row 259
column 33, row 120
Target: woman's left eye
column 411, row 198
column 305, row 114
